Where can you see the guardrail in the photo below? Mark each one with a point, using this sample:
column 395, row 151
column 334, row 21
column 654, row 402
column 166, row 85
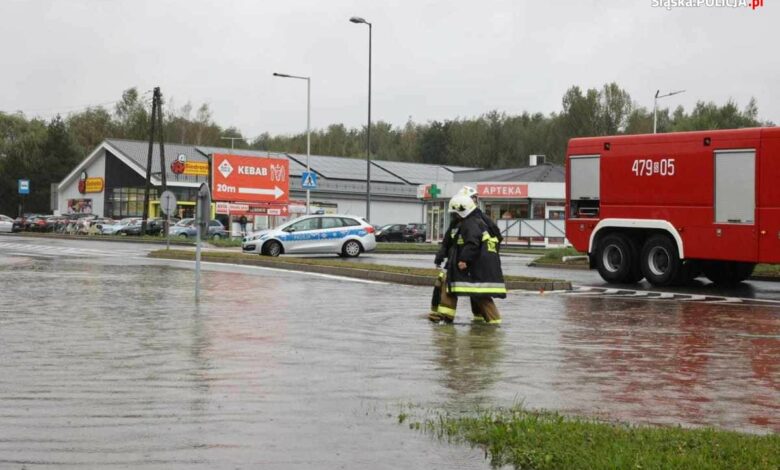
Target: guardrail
column 533, row 228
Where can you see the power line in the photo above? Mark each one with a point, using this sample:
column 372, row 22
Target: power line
column 66, row 108
column 52, row 111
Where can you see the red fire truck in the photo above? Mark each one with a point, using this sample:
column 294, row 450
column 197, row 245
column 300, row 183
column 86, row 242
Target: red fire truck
column 667, row 207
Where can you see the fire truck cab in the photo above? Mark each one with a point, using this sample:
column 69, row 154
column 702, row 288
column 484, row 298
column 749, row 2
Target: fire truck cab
column 669, row 207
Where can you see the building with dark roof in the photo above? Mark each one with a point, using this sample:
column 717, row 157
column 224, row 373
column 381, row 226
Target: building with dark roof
column 120, row 165
column 111, row 182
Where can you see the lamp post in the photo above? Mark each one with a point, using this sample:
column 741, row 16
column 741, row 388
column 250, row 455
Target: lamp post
column 308, row 127
column 359, row 20
column 655, row 105
column 232, row 140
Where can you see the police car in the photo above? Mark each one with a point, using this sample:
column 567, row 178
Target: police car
column 344, row 235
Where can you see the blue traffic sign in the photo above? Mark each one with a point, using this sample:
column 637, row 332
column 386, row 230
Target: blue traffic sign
column 309, row 180
column 24, row 186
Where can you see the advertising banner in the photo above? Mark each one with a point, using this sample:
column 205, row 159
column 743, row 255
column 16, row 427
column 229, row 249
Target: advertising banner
column 79, row 206
column 250, row 179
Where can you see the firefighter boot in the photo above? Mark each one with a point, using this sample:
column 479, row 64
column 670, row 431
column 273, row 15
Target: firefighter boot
column 478, row 316
column 489, row 310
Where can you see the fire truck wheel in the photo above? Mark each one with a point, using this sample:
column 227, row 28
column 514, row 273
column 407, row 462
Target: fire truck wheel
column 659, row 260
column 615, row 259
column 727, row 273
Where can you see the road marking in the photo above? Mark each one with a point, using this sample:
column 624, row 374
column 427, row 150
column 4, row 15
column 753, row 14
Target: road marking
column 263, row 268
column 587, row 291
column 53, row 251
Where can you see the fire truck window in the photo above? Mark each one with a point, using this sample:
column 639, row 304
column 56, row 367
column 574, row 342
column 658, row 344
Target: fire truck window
column 585, row 177
column 735, row 186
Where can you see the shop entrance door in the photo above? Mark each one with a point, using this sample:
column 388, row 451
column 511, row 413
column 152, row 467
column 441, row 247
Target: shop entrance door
column 437, row 223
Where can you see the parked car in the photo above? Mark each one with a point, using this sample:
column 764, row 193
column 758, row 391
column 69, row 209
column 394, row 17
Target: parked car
column 414, row 233
column 186, row 228
column 6, row 224
column 153, row 227
column 344, row 235
column 36, row 224
column 117, row 227
column 133, row 228
column 391, row 233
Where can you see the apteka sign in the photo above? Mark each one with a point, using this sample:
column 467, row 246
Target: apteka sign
column 502, row 190
column 240, row 178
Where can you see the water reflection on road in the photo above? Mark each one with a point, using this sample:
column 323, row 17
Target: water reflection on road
column 675, row 362
column 108, row 364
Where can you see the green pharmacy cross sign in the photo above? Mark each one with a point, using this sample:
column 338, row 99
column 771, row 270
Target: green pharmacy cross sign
column 434, row 191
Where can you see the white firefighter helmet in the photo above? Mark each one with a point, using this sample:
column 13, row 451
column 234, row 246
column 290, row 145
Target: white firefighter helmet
column 462, row 205
column 469, row 191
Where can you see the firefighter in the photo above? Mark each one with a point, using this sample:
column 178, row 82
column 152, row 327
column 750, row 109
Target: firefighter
column 492, row 227
column 439, row 289
column 473, row 264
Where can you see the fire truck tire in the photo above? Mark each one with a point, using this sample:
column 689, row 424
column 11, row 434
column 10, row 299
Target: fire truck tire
column 727, row 273
column 660, row 261
column 616, row 259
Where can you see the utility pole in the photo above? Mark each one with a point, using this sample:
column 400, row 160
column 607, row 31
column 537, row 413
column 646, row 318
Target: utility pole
column 156, row 124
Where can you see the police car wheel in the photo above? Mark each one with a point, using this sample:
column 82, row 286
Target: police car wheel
column 351, row 249
column 272, row 248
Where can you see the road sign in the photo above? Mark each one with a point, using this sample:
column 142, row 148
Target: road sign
column 309, row 180
column 168, row 203
column 203, row 215
column 250, row 179
column 24, row 187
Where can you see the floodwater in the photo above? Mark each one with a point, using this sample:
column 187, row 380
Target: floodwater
column 112, row 364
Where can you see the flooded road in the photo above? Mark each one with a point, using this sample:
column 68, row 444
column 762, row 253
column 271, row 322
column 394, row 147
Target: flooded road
column 108, row 362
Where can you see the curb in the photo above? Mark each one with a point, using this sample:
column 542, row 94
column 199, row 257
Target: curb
column 560, row 266
column 395, row 278
column 584, row 267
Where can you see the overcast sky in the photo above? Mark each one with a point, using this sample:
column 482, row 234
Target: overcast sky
column 432, row 60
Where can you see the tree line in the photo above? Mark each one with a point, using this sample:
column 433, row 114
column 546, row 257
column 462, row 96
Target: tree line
column 45, row 151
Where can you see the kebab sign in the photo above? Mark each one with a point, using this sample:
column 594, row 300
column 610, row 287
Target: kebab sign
column 240, row 178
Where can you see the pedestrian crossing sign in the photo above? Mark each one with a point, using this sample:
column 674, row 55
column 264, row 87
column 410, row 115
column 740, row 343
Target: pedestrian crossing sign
column 309, row 180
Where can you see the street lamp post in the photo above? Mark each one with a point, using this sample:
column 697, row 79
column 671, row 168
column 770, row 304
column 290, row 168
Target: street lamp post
column 308, row 128
column 358, row 20
column 232, row 140
column 655, row 105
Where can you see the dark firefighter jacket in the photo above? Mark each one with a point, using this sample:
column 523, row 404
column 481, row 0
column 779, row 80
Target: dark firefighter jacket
column 472, row 243
column 446, row 244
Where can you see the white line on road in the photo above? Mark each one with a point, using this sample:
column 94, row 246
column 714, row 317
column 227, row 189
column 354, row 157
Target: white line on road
column 263, row 268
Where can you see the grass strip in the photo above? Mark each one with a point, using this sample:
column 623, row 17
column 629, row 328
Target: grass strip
column 555, row 256
column 767, row 270
column 330, row 262
column 547, row 440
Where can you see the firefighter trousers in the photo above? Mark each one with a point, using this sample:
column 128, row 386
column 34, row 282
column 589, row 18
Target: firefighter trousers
column 482, row 307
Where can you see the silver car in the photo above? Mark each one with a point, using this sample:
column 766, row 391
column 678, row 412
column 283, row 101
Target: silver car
column 344, row 235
